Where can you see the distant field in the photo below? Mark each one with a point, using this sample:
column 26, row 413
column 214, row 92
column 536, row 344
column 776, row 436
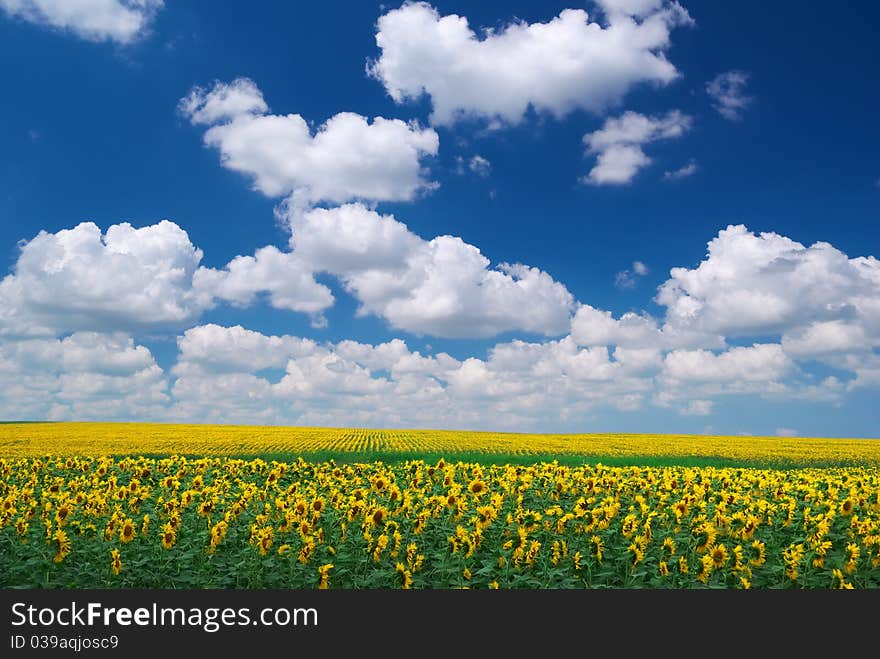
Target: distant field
column 94, row 439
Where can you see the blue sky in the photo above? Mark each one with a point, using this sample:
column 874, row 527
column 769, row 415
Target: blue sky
column 694, row 190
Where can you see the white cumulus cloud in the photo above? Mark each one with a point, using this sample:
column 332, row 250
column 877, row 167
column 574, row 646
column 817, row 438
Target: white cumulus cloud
column 570, row 62
column 121, row 21
column 289, row 283
column 753, row 285
column 618, row 144
column 519, row 385
column 347, row 157
column 440, row 287
column 83, row 279
column 86, row 375
column 760, row 363
column 77, row 301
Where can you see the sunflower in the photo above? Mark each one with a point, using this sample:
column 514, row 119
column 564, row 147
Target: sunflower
column 760, row 556
column 706, row 566
column 169, row 536
column 680, row 509
column 705, row 535
column 218, row 532
column 378, row 516
column 637, row 552
column 62, row 513
column 127, row 532
column 205, row 508
column 485, row 516
column 477, row 487
column 852, row 557
column 115, row 561
column 792, row 556
column 324, row 576
column 842, row 584
column 664, row 569
column 532, row 553
column 683, row 566
column 265, row 543
column 846, row 507
column 556, row 552
column 598, row 546
column 719, row 556
column 306, row 551
column 63, row 545
column 405, row 576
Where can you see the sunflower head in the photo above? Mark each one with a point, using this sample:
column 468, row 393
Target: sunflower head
column 719, row 556
column 127, row 532
column 477, row 487
column 115, row 561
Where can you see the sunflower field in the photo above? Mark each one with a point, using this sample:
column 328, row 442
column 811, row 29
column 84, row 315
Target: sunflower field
column 222, row 522
column 121, row 439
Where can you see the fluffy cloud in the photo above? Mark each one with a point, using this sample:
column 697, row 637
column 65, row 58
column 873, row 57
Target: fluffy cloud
column 440, row 287
column 565, row 64
column 757, row 363
column 682, row 361
column 813, row 303
column 81, row 279
column 618, row 144
column 288, row 281
column 595, row 327
column 212, row 348
column 755, row 285
column 728, row 93
column 348, row 157
column 84, row 375
column 827, row 338
column 121, row 21
column 223, row 102
column 140, row 279
column 388, row 384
